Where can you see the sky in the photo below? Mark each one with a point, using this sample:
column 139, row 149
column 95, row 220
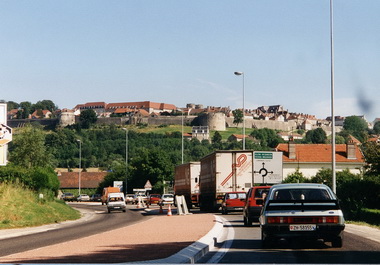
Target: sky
column 180, row 51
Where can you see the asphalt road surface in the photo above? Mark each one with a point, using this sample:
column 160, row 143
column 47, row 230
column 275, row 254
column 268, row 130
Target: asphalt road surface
column 101, row 222
column 243, row 245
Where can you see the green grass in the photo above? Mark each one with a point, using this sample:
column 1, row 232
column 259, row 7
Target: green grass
column 21, row 207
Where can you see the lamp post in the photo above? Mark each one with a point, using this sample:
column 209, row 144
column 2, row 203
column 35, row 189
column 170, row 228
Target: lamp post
column 80, row 163
column 333, row 164
column 242, row 74
column 182, row 136
column 126, row 158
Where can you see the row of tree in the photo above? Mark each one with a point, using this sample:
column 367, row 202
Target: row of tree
column 26, row 108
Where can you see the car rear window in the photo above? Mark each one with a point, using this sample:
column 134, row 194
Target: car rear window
column 301, row 194
column 236, row 196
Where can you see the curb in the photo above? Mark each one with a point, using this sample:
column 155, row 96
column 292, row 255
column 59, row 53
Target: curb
column 195, row 251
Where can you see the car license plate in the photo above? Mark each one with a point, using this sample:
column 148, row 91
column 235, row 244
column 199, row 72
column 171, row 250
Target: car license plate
column 302, row 227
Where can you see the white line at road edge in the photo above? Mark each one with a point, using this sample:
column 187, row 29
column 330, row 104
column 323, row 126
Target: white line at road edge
column 226, row 245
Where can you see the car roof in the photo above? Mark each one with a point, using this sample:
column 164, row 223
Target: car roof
column 299, row 186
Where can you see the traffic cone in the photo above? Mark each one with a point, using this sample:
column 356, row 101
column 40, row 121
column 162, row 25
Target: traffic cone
column 170, row 211
column 161, row 211
column 138, row 203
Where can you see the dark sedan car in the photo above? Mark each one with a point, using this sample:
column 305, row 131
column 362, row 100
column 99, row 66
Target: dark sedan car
column 301, row 211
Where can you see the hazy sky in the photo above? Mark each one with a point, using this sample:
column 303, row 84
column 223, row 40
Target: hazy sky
column 181, row 51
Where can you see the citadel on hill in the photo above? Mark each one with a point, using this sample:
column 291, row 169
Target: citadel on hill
column 153, row 113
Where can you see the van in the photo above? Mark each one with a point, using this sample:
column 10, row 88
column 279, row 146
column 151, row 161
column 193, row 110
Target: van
column 254, row 203
column 107, row 191
column 116, row 202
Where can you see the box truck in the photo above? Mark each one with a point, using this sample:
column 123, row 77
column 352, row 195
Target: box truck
column 221, row 172
column 107, row 191
column 186, row 182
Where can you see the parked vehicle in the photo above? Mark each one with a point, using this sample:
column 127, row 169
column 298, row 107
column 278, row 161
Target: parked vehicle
column 116, row 202
column 233, row 201
column 68, row 196
column 221, row 172
column 129, row 198
column 96, row 198
column 167, row 199
column 254, row 203
column 140, row 197
column 154, row 199
column 299, row 211
column 186, row 182
column 83, row 198
column 107, row 191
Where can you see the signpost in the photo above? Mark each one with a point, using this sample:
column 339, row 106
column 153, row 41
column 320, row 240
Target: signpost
column 267, row 167
column 5, row 134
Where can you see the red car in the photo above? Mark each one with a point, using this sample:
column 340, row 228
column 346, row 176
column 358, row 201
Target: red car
column 254, row 203
column 233, row 202
column 154, row 199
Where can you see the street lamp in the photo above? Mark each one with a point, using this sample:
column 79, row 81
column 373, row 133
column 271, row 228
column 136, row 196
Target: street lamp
column 126, row 158
column 242, row 74
column 182, row 136
column 80, row 163
column 333, row 163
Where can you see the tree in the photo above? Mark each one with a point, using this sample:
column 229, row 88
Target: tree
column 267, row 137
column 44, row 105
column 238, row 116
column 317, row 136
column 12, row 105
column 371, row 152
column 376, row 127
column 28, row 149
column 356, row 126
column 87, row 118
column 295, row 177
column 26, row 108
column 217, row 139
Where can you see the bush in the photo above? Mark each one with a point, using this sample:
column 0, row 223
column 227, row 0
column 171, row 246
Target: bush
column 43, row 180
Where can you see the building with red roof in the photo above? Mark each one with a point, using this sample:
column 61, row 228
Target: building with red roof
column 310, row 158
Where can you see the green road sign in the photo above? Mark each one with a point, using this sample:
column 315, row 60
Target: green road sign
column 259, row 155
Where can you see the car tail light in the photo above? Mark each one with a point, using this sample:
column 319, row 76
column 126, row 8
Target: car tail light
column 277, row 220
column 303, row 220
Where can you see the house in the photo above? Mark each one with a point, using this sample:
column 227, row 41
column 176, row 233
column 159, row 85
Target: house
column 41, row 114
column 310, row 158
column 286, row 136
column 88, row 180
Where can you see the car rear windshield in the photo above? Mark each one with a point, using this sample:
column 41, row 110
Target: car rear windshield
column 236, row 196
column 301, row 194
column 302, row 199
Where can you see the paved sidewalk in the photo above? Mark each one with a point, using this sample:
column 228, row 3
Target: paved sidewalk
column 154, row 240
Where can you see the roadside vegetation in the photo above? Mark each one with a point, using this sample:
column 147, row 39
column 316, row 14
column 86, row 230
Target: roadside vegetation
column 22, row 207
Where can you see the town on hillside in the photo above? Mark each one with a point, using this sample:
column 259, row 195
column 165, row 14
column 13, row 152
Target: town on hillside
column 153, row 113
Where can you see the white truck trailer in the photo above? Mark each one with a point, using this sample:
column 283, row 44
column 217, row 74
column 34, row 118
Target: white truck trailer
column 186, row 182
column 221, row 172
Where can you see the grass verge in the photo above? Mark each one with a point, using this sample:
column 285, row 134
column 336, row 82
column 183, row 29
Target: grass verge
column 21, row 207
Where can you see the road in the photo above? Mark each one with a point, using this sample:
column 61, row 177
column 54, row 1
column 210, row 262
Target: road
column 243, row 245
column 74, row 231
